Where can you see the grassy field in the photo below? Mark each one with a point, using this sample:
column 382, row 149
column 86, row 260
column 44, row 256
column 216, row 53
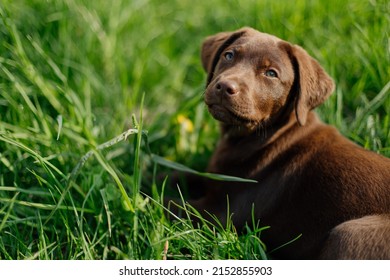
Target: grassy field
column 76, row 74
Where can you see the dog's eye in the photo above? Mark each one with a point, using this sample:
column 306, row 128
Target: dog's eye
column 229, row 55
column 271, row 73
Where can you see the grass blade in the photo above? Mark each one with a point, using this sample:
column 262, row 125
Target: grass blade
column 180, row 167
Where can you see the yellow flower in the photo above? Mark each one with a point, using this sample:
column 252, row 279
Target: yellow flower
column 185, row 123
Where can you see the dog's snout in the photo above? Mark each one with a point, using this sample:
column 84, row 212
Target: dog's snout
column 227, row 87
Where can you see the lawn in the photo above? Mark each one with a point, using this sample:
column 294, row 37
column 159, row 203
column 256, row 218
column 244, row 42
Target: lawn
column 91, row 90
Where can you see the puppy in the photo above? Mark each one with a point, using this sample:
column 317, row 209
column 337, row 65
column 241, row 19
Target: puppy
column 311, row 181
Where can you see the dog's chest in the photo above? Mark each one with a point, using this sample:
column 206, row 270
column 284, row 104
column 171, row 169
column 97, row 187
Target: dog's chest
column 233, row 159
column 250, row 159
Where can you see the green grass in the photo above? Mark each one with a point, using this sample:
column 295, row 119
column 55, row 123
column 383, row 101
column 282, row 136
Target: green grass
column 72, row 75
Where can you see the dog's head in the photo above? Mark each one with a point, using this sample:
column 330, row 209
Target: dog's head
column 254, row 77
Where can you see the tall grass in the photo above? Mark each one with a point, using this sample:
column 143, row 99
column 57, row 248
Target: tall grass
column 72, row 74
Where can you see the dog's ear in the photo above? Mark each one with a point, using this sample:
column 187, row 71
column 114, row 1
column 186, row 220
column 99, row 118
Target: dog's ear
column 213, row 46
column 210, row 47
column 314, row 84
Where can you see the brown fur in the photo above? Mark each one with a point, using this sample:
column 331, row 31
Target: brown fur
column 364, row 238
column 311, row 180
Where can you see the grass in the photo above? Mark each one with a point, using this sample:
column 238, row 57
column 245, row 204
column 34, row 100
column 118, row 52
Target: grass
column 72, row 75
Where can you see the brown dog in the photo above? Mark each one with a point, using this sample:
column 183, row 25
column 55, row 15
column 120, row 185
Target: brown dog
column 312, row 181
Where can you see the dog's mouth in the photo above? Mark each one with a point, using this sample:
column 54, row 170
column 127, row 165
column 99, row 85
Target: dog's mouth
column 227, row 115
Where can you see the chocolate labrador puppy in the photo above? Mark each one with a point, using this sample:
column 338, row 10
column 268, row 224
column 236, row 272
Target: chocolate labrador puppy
column 311, row 181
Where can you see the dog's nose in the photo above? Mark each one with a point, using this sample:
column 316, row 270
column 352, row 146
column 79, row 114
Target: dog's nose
column 227, row 87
